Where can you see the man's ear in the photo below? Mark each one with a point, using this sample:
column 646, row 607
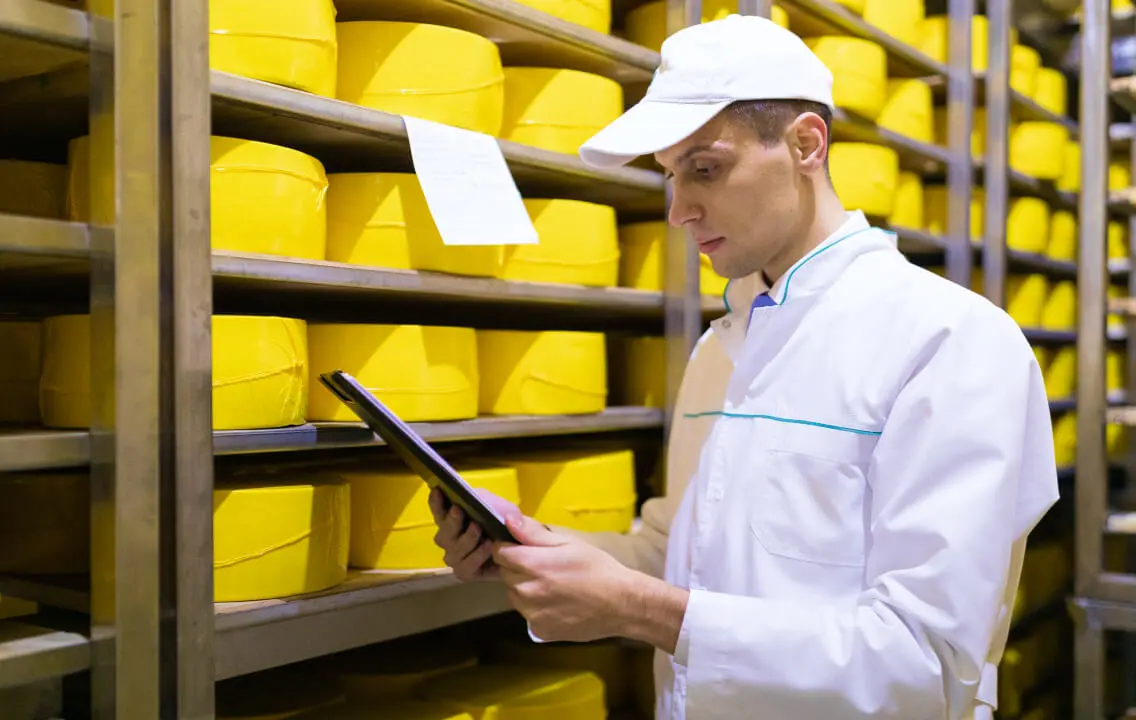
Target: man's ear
column 810, row 141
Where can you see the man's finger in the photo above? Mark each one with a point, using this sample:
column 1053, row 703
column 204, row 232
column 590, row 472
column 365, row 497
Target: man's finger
column 450, row 528
column 437, row 505
column 464, row 545
column 478, row 563
column 530, row 532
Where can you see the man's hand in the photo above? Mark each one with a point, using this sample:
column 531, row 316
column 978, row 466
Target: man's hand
column 468, row 552
column 565, row 588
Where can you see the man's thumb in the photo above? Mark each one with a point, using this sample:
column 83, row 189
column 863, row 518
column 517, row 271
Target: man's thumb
column 530, row 532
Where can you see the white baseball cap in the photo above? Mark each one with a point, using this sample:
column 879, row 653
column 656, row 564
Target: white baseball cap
column 703, row 69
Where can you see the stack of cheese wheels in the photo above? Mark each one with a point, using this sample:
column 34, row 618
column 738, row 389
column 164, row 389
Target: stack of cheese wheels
column 389, row 671
column 260, row 372
column 391, row 524
column 646, row 25
column 865, row 176
column 909, row 110
column 579, row 245
column 265, row 199
column 901, row 19
column 279, row 537
column 33, row 188
column 859, row 70
column 642, row 263
column 430, row 72
column 590, row 491
column 607, row 659
column 1027, row 225
column 542, row 373
column 907, row 211
column 1062, row 236
column 1051, row 91
column 279, row 693
column 543, row 108
column 286, row 42
column 1037, row 149
column 935, row 210
column 1025, row 298
column 421, row 372
column 1060, row 311
column 1025, row 62
column 592, row 14
column 506, row 691
column 382, row 220
column 45, row 523
column 935, row 40
column 20, row 366
column 1061, row 374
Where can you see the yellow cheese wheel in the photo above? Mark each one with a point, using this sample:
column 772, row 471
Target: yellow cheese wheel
column 1116, row 442
column 935, row 34
column 388, row 671
column 1119, row 175
column 1116, row 370
column 1025, row 62
column 865, row 176
column 543, row 107
column 1037, row 149
column 1065, row 439
column 382, row 220
column 646, row 24
column 542, row 373
column 1115, row 323
column 977, row 131
column 431, row 72
column 391, row 524
column 935, row 210
column 859, row 69
column 1025, row 298
column 504, row 691
column 579, row 245
column 33, row 188
column 909, row 110
column 1070, row 180
column 908, row 209
column 642, row 260
column 1027, row 225
column 286, row 42
column 592, row 14
column 710, row 282
column 1063, row 236
column 1051, row 90
column 45, row 523
column 259, row 372
column 421, row 372
column 607, row 659
column 1117, row 240
column 644, row 371
column 586, row 491
column 1043, row 355
column 1060, row 311
column 265, row 199
column 280, row 540
column 1061, row 374
column 277, row 694
column 20, row 367
column 901, row 19
column 11, row 607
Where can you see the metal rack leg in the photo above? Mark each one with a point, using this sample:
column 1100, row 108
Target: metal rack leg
column 1088, row 694
column 960, row 120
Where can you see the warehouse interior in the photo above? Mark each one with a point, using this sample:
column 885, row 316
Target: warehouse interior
column 204, row 204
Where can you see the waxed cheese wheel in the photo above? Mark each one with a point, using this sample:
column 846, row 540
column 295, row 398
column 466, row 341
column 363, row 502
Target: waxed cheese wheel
column 542, row 373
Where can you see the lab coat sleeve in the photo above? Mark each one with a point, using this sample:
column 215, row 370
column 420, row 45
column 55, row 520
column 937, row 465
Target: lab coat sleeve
column 963, row 467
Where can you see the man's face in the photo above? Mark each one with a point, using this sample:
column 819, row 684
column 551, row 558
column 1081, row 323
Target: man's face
column 742, row 201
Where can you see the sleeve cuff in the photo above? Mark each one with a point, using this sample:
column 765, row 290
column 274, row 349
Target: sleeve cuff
column 689, row 620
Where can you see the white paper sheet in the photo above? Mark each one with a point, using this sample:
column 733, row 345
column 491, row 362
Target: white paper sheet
column 468, row 186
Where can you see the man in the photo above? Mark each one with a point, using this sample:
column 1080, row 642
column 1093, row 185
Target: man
column 860, row 447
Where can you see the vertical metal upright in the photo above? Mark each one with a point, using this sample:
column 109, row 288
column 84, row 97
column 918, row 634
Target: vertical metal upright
column 960, row 121
column 151, row 293
column 997, row 173
column 1092, row 278
column 681, row 287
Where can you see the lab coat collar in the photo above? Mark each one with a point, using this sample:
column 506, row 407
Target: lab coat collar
column 813, row 273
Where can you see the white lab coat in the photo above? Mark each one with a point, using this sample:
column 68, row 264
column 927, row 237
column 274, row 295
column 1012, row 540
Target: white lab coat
column 851, row 480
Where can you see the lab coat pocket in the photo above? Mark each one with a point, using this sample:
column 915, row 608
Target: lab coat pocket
column 812, row 496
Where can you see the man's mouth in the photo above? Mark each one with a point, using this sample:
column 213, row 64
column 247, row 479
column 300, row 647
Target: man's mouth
column 708, row 246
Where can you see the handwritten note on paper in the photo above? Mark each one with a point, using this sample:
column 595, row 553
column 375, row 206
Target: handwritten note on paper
column 468, row 186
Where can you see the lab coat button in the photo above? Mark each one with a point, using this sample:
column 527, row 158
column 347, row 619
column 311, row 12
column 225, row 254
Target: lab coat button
column 726, row 323
column 715, row 492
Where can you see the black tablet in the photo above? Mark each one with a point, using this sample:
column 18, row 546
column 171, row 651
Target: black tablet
column 414, row 451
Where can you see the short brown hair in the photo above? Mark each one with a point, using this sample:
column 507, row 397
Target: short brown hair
column 769, row 118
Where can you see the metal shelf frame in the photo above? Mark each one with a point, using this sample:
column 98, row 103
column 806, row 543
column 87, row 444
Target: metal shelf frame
column 1105, row 600
column 157, row 642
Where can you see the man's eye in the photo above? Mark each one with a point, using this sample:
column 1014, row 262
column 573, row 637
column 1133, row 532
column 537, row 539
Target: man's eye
column 704, row 171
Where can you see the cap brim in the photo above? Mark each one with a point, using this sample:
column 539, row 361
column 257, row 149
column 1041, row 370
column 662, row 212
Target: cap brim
column 648, row 127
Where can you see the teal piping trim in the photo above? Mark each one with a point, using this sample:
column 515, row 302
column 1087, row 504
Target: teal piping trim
column 724, row 298
column 789, row 421
column 834, row 243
